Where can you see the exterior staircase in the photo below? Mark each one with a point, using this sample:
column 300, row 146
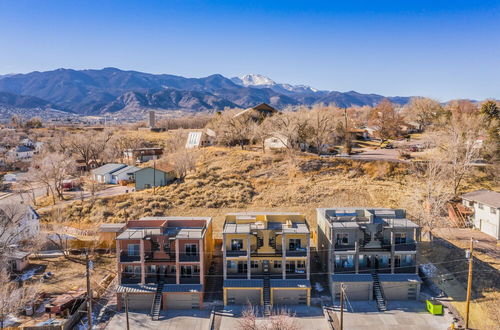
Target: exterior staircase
column 155, row 309
column 379, row 293
column 267, row 296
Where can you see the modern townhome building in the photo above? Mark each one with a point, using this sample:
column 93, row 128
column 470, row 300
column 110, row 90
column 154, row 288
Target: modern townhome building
column 485, row 211
column 266, row 259
column 162, row 262
column 372, row 252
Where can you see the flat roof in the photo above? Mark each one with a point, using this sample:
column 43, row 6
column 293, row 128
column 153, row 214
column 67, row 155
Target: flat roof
column 138, row 233
column 176, row 218
column 263, row 213
column 352, row 278
column 484, row 196
column 241, row 283
column 353, row 217
column 16, row 254
column 236, row 228
column 182, row 288
column 136, row 288
column 111, row 227
column 290, row 283
column 399, row 278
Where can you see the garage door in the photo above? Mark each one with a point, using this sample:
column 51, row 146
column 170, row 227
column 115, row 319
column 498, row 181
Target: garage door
column 488, row 228
column 289, row 297
column 139, row 301
column 183, row 301
column 242, row 297
column 395, row 290
column 355, row 291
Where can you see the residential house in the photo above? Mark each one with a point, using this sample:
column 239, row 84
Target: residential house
column 142, row 155
column 124, row 174
column 20, row 153
column 197, row 139
column 104, row 174
column 258, row 113
column 163, row 261
column 266, row 259
column 82, row 166
column 16, row 260
column 149, row 177
column 20, row 222
column 371, row 251
column 485, row 205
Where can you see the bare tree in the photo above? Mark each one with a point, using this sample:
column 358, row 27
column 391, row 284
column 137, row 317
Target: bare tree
column 232, row 129
column 458, row 146
column 50, row 169
column 248, row 320
column 423, row 111
column 429, row 194
column 12, row 297
column 12, row 217
column 321, row 122
column 388, row 122
column 88, row 146
column 182, row 161
column 282, row 319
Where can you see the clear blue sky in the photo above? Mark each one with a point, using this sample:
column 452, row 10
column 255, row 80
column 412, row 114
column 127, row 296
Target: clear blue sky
column 443, row 49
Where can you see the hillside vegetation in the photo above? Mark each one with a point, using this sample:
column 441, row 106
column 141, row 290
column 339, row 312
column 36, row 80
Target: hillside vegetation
column 229, row 180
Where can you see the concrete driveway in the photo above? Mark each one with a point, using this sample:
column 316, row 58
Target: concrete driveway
column 169, row 320
column 408, row 315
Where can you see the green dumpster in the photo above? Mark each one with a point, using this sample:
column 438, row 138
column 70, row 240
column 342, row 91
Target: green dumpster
column 434, row 307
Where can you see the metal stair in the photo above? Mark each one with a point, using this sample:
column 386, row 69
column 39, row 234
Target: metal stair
column 267, row 296
column 155, row 309
column 378, row 293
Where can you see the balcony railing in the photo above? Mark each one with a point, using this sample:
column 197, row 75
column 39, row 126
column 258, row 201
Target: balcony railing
column 125, row 257
column 189, row 257
column 298, row 252
column 405, row 246
column 236, row 253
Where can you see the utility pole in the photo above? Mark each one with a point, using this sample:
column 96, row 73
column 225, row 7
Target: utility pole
column 154, row 177
column 469, row 283
column 89, row 290
column 126, row 310
column 347, row 138
column 341, row 306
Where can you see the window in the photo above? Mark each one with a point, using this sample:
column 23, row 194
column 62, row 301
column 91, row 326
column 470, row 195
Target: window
column 133, row 249
column 290, row 266
column 236, row 244
column 493, row 210
column 166, row 247
column 344, row 261
column 301, row 264
column 196, row 269
column 231, row 264
column 155, row 246
column 172, row 269
column 277, row 264
column 480, row 206
column 400, row 238
column 186, row 271
column 471, row 203
column 191, row 249
column 342, row 238
column 294, row 244
column 242, row 267
column 254, row 264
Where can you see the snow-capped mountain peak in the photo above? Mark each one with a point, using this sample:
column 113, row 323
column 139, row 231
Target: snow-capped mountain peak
column 254, row 80
column 260, row 81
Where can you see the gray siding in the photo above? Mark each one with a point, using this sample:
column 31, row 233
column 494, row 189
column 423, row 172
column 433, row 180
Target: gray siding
column 147, row 178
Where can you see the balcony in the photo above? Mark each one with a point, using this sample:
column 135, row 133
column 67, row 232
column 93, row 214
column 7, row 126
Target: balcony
column 236, row 253
column 298, row 252
column 183, row 257
column 194, row 279
column 344, row 247
column 405, row 246
column 159, row 256
column 125, row 257
column 127, row 279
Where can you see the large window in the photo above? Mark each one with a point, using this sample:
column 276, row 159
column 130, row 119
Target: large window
column 191, row 249
column 344, row 261
column 236, row 244
column 133, row 249
column 277, row 264
column 186, row 271
column 294, row 244
column 254, row 264
column 342, row 238
column 400, row 238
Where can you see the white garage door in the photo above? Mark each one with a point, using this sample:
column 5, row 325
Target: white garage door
column 242, row 297
column 488, row 228
column 183, row 301
column 354, row 291
column 140, row 301
column 289, row 297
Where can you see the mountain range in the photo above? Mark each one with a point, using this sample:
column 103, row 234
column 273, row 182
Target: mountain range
column 112, row 91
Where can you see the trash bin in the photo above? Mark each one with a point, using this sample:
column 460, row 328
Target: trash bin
column 434, row 307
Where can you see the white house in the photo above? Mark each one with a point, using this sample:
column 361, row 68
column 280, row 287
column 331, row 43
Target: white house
column 20, row 153
column 486, row 206
column 104, row 173
column 21, row 222
column 124, row 174
column 198, row 139
column 276, row 141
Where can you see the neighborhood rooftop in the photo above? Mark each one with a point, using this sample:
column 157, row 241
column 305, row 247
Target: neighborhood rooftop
column 355, row 216
column 108, row 168
column 484, row 196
